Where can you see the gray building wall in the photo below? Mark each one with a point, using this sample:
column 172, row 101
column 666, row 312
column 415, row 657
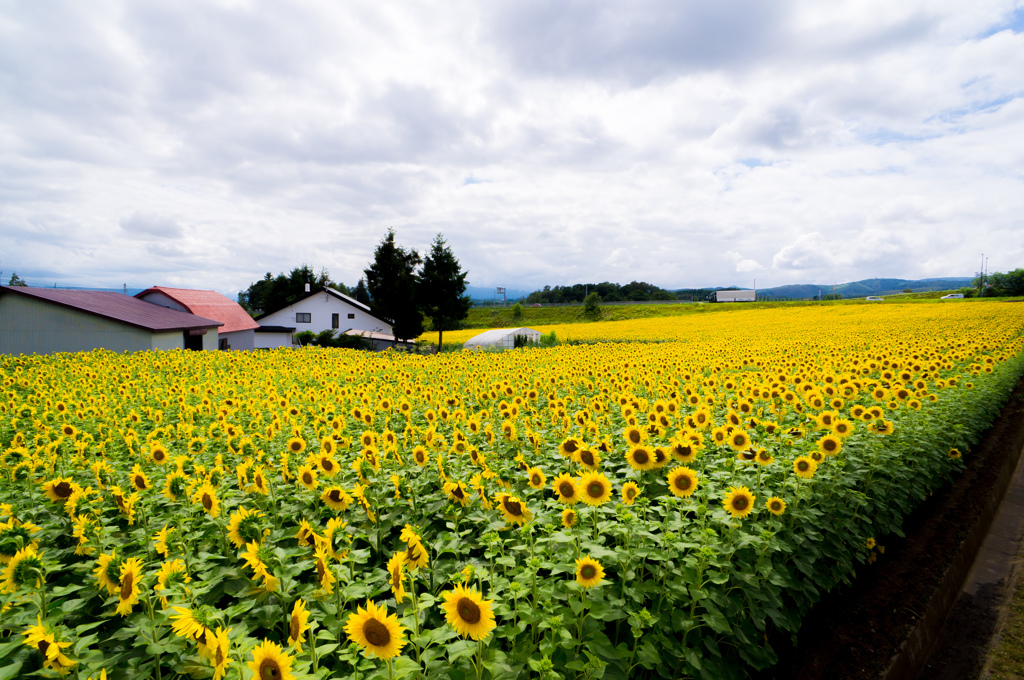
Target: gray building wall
column 241, row 340
column 169, row 340
column 29, row 326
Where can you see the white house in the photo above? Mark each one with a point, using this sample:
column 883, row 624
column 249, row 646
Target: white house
column 735, row 296
column 324, row 310
column 237, row 331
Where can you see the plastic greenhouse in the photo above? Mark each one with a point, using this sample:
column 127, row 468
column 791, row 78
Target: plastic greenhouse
column 502, row 338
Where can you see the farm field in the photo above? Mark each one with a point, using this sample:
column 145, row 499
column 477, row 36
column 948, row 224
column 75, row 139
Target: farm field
column 622, row 509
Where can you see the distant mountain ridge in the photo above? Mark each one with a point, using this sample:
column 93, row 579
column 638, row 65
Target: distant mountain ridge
column 867, row 287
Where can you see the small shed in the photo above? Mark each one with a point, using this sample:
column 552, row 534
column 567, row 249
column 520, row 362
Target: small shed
column 501, row 338
column 735, row 296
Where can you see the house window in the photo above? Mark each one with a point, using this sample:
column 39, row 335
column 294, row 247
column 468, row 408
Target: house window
column 351, row 316
column 334, row 321
column 303, row 318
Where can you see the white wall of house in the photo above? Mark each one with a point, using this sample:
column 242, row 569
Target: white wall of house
column 164, row 301
column 240, row 340
column 264, row 340
column 321, row 309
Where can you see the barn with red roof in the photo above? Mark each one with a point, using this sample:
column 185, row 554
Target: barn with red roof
column 238, row 328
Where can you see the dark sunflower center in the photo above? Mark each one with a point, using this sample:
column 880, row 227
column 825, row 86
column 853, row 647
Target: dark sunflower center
column 740, row 502
column 296, row 446
column 587, row 457
column 269, row 670
column 566, row 489
column 515, row 508
column 776, row 506
column 535, row 479
column 570, row 446
column 321, row 570
column 43, row 646
column 634, row 436
column 457, row 492
column 739, row 440
column 219, row 656
column 207, row 501
column 595, row 489
column 630, row 493
column 335, row 495
column 830, row 445
column 802, row 465
column 588, row 571
column 158, row 455
column 62, row 489
column 641, row 457
column 307, row 478
column 126, row 585
column 376, row 633
column 140, row 481
column 294, row 627
column 683, row 482
column 468, row 610
column 327, row 464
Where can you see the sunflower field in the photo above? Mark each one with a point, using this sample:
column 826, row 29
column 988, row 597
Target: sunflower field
column 666, row 505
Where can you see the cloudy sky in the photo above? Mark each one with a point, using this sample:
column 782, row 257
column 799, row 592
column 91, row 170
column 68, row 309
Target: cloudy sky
column 686, row 143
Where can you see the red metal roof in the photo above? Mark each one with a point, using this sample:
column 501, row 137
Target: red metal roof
column 118, row 307
column 211, row 304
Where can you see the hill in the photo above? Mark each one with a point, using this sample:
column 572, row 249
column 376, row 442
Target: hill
column 866, row 287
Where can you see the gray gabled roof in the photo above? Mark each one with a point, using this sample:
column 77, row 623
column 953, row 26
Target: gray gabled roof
column 117, row 307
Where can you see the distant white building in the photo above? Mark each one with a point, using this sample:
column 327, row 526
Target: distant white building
column 317, row 312
column 501, row 338
column 735, row 296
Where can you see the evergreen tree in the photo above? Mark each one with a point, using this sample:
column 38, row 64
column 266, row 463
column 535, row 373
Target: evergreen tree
column 361, row 294
column 392, row 282
column 17, row 281
column 442, row 290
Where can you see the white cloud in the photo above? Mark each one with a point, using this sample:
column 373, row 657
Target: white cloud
column 204, row 144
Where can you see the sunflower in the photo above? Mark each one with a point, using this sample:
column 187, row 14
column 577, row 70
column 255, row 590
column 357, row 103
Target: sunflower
column 739, row 440
column 270, row 661
column 682, row 482
column 139, row 479
column 588, row 458
column 174, row 485
column 108, row 572
column 955, row 454
column 245, row 526
column 589, row 572
column 158, row 453
column 296, row 445
column 684, row 451
column 830, row 445
column 880, row 426
column 25, row 569
column 305, row 535
column 629, row 492
column 764, row 457
column 596, row 489
column 324, row 576
column 776, row 505
column 59, row 490
column 420, row 455
column 720, row 435
column 327, row 463
column 206, row 496
column 191, row 624
column 171, row 574
column 513, row 509
column 569, row 518
column 458, row 492
column 396, row 576
column 336, row 498
column 570, row 447
column 375, row 631
column 633, row 435
column 804, row 467
column 537, row 477
column 641, row 458
column 739, row 501
column 38, row 637
column 131, row 574
column 307, row 477
column 219, row 646
column 298, row 625
column 842, row 427
column 468, row 613
column 415, row 554
column 567, row 489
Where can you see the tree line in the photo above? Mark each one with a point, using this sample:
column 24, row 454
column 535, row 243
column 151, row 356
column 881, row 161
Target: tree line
column 399, row 286
column 634, row 291
column 999, row 284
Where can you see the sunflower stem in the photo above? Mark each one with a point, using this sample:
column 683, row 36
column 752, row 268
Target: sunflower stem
column 479, row 658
